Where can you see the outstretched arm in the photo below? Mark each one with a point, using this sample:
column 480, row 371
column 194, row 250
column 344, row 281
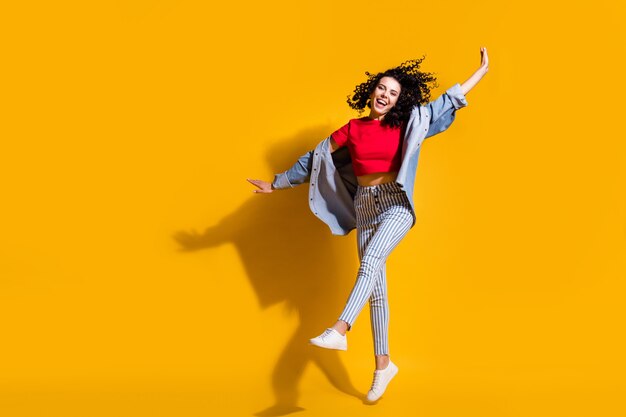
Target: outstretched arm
column 298, row 174
column 479, row 74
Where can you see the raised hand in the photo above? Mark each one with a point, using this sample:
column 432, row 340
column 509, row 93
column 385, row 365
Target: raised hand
column 263, row 186
column 484, row 59
column 480, row 72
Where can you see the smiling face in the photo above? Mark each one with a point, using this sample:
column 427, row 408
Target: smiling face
column 384, row 97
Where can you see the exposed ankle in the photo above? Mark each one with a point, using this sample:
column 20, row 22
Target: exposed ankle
column 341, row 327
column 382, row 362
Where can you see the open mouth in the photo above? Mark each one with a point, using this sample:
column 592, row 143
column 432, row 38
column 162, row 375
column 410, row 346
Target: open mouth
column 381, row 102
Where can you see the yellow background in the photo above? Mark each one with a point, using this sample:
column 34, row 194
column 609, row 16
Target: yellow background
column 127, row 123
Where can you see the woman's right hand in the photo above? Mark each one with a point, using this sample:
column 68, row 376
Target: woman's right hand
column 263, row 186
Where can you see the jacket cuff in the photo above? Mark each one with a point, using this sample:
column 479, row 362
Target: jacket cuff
column 281, row 182
column 456, row 95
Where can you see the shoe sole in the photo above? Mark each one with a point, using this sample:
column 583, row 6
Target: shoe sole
column 326, row 347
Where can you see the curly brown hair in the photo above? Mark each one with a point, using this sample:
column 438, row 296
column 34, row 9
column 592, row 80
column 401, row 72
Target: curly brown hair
column 415, row 90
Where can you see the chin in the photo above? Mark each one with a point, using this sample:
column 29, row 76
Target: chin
column 381, row 110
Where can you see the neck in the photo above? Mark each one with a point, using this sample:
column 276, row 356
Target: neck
column 376, row 116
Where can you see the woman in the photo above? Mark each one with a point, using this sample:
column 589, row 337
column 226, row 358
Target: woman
column 367, row 184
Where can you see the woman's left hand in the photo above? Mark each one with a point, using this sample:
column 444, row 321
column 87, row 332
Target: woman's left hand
column 480, row 72
column 484, row 59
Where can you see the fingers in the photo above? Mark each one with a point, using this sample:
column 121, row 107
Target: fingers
column 484, row 58
column 263, row 186
column 256, row 183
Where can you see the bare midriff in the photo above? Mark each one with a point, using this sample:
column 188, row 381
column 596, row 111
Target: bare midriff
column 376, row 178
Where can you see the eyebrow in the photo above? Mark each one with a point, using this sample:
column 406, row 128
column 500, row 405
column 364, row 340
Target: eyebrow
column 390, row 89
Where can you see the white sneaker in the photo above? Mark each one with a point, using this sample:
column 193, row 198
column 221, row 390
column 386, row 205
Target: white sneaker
column 381, row 379
column 331, row 339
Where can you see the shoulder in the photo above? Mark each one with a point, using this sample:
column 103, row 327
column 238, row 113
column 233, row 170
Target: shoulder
column 353, row 124
column 419, row 111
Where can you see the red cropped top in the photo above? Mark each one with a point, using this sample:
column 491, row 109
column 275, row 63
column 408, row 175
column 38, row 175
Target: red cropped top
column 373, row 148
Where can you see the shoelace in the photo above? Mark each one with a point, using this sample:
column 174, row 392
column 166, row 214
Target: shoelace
column 376, row 379
column 326, row 333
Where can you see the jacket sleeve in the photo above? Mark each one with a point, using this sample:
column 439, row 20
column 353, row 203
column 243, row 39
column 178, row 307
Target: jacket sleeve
column 443, row 109
column 298, row 174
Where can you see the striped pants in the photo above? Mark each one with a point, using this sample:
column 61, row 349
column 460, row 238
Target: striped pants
column 383, row 218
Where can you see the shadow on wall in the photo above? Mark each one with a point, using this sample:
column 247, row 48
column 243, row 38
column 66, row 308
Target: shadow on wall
column 288, row 256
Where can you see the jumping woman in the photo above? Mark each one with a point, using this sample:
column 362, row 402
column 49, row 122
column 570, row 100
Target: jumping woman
column 362, row 177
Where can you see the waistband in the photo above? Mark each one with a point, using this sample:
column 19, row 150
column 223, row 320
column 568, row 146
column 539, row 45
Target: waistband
column 388, row 186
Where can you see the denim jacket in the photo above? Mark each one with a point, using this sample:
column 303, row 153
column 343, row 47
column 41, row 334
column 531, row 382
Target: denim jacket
column 332, row 182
